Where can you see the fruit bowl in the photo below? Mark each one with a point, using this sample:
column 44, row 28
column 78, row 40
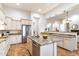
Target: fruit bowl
column 45, row 36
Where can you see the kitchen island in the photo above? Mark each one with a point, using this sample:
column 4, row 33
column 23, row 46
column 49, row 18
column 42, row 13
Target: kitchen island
column 43, row 47
column 38, row 46
column 69, row 39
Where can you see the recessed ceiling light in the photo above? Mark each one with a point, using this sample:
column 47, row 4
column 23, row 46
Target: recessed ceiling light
column 17, row 4
column 39, row 10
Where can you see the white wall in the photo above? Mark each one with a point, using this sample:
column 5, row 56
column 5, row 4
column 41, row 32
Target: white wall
column 16, row 13
column 0, row 6
column 74, row 15
column 60, row 10
column 40, row 25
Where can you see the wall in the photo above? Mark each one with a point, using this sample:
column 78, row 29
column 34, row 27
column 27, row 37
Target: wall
column 74, row 16
column 60, row 9
column 39, row 23
column 16, row 13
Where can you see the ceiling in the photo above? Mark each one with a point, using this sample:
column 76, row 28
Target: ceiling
column 45, row 7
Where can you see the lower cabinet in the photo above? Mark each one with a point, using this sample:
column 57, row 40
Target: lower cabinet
column 68, row 43
column 60, row 43
column 29, row 46
column 13, row 39
column 4, row 47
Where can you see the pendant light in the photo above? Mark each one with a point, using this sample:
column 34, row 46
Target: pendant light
column 67, row 24
column 66, row 16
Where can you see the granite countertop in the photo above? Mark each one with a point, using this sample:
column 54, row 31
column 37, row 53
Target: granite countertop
column 15, row 33
column 63, row 33
column 42, row 41
column 3, row 38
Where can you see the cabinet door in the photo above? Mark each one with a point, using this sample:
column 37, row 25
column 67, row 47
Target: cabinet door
column 10, row 39
column 29, row 45
column 15, row 39
column 9, row 23
column 6, row 47
column 18, row 39
column 1, row 49
column 47, row 50
column 3, row 46
column 70, row 44
column 60, row 43
column 29, row 22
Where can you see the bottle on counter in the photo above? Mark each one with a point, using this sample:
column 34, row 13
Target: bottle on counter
column 2, row 34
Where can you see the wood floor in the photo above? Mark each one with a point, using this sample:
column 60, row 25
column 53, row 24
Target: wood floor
column 21, row 50
column 18, row 50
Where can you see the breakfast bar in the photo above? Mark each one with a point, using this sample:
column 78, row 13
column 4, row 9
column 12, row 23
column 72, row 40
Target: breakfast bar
column 69, row 39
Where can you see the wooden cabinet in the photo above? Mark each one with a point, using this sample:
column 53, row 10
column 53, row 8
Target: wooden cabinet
column 29, row 45
column 30, row 22
column 26, row 22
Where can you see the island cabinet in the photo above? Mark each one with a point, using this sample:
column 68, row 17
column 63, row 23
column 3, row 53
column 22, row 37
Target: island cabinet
column 41, row 49
column 29, row 46
column 68, row 43
column 45, row 50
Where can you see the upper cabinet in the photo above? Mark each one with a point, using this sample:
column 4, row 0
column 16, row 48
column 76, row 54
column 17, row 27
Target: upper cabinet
column 26, row 22
column 15, row 24
column 2, row 15
column 8, row 23
column 12, row 24
column 2, row 19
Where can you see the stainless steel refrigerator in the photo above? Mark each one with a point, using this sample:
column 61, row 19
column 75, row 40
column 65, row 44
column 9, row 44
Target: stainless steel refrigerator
column 26, row 31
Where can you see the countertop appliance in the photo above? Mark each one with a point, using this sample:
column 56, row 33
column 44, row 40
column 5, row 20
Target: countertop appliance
column 75, row 31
